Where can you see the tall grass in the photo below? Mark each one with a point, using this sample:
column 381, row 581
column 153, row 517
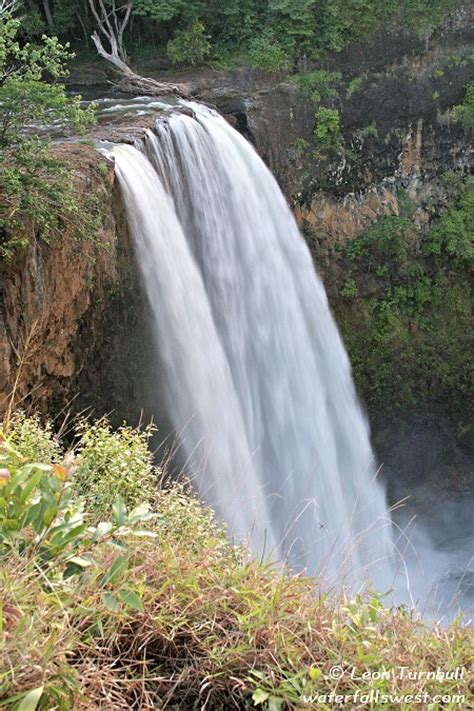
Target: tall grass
column 169, row 614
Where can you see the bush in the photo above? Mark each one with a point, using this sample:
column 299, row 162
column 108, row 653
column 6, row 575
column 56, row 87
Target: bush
column 120, row 617
column 266, row 52
column 328, row 129
column 318, row 84
column 34, row 441
column 113, row 461
column 33, row 185
column 452, row 238
column 464, row 113
column 41, row 518
column 190, row 46
column 410, row 319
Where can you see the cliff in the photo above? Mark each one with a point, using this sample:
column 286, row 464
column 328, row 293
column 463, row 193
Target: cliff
column 72, row 325
column 72, row 307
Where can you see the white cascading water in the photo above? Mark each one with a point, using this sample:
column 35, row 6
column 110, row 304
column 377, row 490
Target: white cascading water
column 257, row 381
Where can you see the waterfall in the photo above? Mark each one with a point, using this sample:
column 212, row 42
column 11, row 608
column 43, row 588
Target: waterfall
column 256, row 379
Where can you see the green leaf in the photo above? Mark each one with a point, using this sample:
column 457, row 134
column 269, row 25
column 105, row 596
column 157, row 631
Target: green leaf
column 32, row 483
column 259, row 696
column 38, row 467
column 110, row 601
column 131, row 599
column 81, row 562
column 31, row 700
column 49, row 515
column 140, row 513
column 119, row 512
column 118, row 567
column 102, row 529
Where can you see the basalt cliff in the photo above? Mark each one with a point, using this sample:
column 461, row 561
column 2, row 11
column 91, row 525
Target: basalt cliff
column 371, row 205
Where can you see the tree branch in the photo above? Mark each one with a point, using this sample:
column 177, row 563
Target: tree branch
column 112, row 27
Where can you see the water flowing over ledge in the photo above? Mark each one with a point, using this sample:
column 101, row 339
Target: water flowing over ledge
column 256, row 379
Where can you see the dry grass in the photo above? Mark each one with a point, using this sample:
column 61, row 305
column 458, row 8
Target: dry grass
column 210, row 629
column 173, row 616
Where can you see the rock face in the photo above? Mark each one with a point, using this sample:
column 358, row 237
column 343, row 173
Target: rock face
column 73, row 320
column 66, row 304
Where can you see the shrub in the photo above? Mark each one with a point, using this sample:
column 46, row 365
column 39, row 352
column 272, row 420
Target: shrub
column 113, row 461
column 370, row 130
column 266, row 52
column 464, row 113
column 34, row 441
column 190, row 46
column 328, row 129
column 410, row 320
column 120, row 617
column 318, row 84
column 387, row 237
column 33, row 185
column 452, row 238
column 355, row 84
column 41, row 518
column 349, row 289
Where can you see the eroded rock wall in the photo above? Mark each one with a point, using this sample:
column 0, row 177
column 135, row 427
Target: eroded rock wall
column 71, row 335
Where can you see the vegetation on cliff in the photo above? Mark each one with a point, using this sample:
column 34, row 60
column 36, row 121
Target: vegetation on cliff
column 134, row 608
column 407, row 317
column 403, row 300
column 272, row 34
column 33, row 183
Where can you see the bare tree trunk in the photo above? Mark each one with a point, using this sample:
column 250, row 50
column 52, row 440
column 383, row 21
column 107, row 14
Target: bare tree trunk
column 112, row 27
column 7, row 7
column 83, row 27
column 48, row 14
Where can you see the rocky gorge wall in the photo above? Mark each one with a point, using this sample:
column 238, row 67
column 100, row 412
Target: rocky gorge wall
column 73, row 321
column 72, row 336
column 388, row 216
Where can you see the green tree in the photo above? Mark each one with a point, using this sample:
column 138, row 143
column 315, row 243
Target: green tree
column 190, row 45
column 32, row 182
column 25, row 97
column 266, row 52
column 159, row 10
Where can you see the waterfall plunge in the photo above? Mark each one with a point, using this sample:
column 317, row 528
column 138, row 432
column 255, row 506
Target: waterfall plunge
column 257, row 381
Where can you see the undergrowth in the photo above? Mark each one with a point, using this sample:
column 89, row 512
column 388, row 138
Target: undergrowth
column 154, row 608
column 405, row 307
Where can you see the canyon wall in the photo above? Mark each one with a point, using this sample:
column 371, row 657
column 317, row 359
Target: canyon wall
column 73, row 320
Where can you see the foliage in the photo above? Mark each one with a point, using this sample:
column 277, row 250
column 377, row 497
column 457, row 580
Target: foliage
column 158, row 11
column 25, row 98
column 42, row 520
column 385, row 238
column 288, row 29
column 302, row 146
column 355, row 84
column 370, row 130
column 464, row 113
column 33, row 183
column 349, row 289
column 190, row 46
column 318, row 84
column 113, row 461
column 451, row 241
column 405, row 317
column 174, row 609
column 328, row 129
column 267, row 53
column 33, row 440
